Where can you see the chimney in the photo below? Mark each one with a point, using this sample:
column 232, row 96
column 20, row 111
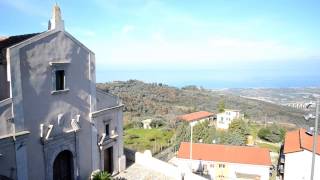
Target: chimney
column 56, row 21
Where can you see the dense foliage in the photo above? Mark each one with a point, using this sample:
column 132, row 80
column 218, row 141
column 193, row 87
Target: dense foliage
column 236, row 134
column 221, row 106
column 202, row 132
column 150, row 100
column 273, row 133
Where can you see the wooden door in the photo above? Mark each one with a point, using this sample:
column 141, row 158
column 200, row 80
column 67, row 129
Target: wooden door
column 108, row 160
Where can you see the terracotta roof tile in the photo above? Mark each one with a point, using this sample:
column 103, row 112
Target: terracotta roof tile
column 299, row 140
column 226, row 153
column 195, row 116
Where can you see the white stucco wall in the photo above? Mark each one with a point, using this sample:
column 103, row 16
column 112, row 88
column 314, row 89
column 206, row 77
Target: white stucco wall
column 298, row 166
column 224, row 119
column 261, row 170
column 145, row 159
column 193, row 123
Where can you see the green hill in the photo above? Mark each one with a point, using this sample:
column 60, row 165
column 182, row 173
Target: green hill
column 156, row 100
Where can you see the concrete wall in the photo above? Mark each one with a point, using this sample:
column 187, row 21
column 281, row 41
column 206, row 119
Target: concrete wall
column 145, row 159
column 41, row 106
column 7, row 159
column 4, row 84
column 113, row 117
column 106, row 100
column 193, row 123
column 5, row 116
column 298, row 165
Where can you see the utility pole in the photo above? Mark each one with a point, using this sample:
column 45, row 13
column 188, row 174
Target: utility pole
column 191, row 147
column 315, row 139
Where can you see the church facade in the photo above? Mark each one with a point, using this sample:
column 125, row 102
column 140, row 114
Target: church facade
column 54, row 123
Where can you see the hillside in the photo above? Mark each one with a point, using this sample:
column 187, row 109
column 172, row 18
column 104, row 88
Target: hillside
column 156, row 100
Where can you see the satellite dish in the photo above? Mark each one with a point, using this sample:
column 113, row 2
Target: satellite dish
column 310, row 131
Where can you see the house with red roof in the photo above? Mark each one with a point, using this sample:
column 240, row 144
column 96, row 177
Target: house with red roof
column 296, row 156
column 225, row 161
column 196, row 117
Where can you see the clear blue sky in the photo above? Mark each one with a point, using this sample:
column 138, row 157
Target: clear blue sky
column 214, row 43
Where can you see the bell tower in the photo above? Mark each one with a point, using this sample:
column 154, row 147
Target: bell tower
column 56, row 21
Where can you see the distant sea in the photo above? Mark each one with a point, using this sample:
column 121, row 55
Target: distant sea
column 238, row 74
column 212, row 79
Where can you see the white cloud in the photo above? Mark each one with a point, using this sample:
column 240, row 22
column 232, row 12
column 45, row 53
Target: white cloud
column 206, row 53
column 127, row 28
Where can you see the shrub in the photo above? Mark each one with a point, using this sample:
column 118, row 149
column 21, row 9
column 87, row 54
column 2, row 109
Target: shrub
column 101, row 175
column 156, row 123
column 272, row 134
column 234, row 138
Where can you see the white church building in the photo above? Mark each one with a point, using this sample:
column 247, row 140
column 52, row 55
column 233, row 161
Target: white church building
column 54, row 123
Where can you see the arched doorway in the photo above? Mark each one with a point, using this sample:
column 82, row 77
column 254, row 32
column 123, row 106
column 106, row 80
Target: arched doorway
column 63, row 166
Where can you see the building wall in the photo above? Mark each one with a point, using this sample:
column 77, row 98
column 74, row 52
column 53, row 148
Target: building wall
column 298, row 165
column 224, row 119
column 113, row 117
column 192, row 123
column 228, row 171
column 40, row 106
column 5, row 116
column 106, row 100
column 4, row 83
column 168, row 170
column 7, row 158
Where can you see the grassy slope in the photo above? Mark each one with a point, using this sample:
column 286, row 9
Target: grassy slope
column 152, row 139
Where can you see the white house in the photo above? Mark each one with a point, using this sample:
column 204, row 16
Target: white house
column 197, row 117
column 225, row 118
column 296, row 156
column 224, row 162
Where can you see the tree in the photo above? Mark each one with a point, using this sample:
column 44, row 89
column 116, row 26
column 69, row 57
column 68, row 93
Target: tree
column 274, row 133
column 221, row 105
column 237, row 133
column 202, row 131
column 234, row 138
column 240, row 126
column 182, row 133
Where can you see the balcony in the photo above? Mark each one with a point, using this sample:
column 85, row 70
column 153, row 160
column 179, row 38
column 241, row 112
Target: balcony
column 6, row 117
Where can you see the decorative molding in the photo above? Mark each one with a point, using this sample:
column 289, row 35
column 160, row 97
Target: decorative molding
column 59, row 63
column 103, row 111
column 57, row 144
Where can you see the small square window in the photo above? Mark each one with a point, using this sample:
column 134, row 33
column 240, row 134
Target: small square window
column 60, row 80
